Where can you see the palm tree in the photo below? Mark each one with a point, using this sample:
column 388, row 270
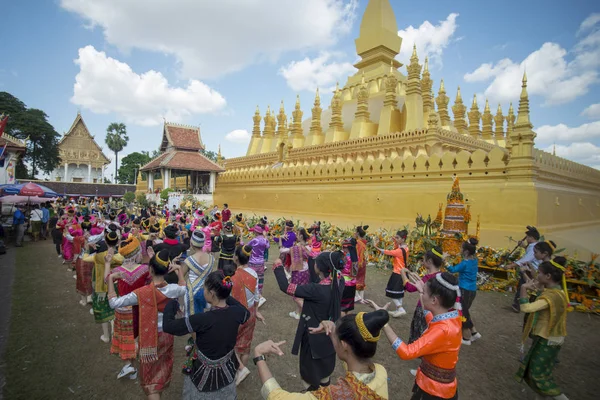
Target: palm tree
column 116, row 140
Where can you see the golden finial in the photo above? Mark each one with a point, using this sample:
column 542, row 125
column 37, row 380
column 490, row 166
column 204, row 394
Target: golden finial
column 442, row 88
column 458, row 96
column 297, row 102
column 510, row 109
column 426, row 67
column 414, row 53
column 499, row 110
column 474, row 104
column 268, row 110
column 525, row 78
column 317, row 97
column 257, row 110
column 487, row 106
column 337, row 87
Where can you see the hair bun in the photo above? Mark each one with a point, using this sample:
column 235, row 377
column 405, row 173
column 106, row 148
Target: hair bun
column 560, row 260
column 365, row 227
column 473, row 241
column 376, row 320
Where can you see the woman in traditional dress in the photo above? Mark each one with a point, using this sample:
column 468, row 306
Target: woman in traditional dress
column 286, row 241
column 298, row 253
column 439, row 345
column 260, row 245
column 245, row 290
column 133, row 275
column 155, row 345
column 228, row 242
column 264, row 223
column 316, row 242
column 547, row 325
column 432, row 261
column 214, row 367
column 361, row 250
column 467, row 271
column 67, row 246
column 395, row 286
column 349, row 274
column 103, row 313
column 321, row 303
column 196, row 268
column 354, row 338
column 83, row 269
column 241, row 227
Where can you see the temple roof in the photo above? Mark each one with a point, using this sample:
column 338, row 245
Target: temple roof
column 12, row 143
column 183, row 160
column 70, row 145
column 181, row 137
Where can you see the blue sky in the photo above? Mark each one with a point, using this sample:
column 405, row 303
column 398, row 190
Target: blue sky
column 211, row 63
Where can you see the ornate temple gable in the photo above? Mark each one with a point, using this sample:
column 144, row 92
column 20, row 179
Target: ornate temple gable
column 181, row 137
column 78, row 146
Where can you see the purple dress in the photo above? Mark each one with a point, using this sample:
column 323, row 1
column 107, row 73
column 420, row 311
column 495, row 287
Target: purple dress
column 257, row 259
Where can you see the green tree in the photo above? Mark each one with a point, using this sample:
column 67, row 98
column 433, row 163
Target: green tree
column 130, row 165
column 211, row 155
column 129, row 197
column 164, row 194
column 32, row 124
column 116, row 140
column 142, row 200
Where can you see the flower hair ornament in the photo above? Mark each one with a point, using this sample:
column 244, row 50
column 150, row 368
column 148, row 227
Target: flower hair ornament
column 161, row 262
column 362, row 328
column 227, row 282
column 455, row 288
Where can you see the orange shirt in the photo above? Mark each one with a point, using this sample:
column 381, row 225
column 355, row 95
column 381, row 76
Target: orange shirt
column 398, row 261
column 439, row 347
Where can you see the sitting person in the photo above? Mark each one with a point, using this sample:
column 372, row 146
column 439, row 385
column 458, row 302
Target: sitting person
column 354, row 338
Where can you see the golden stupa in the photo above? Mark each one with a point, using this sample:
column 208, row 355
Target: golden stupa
column 387, row 149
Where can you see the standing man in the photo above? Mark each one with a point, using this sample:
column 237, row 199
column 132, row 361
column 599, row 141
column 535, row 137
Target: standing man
column 35, row 218
column 45, row 219
column 525, row 264
column 214, row 211
column 19, row 225
column 226, row 213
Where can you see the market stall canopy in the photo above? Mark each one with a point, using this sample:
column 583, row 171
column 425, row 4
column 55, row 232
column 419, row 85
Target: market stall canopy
column 27, row 189
column 16, row 199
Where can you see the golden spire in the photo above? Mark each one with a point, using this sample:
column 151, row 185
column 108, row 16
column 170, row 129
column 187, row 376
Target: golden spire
column 414, row 72
column 499, row 121
column 474, row 116
column 426, row 86
column 459, row 110
column 442, row 103
column 257, row 118
column 336, row 110
column 486, row 119
column 281, row 122
column 510, row 120
column 219, row 156
column 297, row 121
column 315, row 125
column 268, row 128
column 362, row 107
column 391, row 84
column 378, row 38
column 523, row 115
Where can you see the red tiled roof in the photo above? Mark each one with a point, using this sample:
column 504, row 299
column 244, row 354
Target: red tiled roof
column 184, row 160
column 182, row 137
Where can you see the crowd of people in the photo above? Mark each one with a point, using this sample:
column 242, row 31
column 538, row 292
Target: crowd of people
column 157, row 273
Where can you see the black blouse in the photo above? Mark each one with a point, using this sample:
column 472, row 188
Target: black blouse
column 314, row 310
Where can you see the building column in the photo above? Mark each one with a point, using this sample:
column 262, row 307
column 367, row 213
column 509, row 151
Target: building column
column 89, row 173
column 102, row 175
column 151, row 181
column 66, row 171
column 166, row 178
column 211, row 185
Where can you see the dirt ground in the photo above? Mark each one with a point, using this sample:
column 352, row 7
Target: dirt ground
column 54, row 349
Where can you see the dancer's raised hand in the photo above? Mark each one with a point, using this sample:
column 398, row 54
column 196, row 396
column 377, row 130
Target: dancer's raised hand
column 269, row 347
column 374, row 306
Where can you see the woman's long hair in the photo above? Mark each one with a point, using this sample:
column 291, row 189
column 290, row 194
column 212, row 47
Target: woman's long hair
column 330, row 264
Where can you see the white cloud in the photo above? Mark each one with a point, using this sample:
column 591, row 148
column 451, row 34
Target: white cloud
column 548, row 134
column 592, row 111
column 320, row 72
column 584, row 153
column 212, row 38
column 105, row 85
column 431, row 40
column 240, row 136
column 589, row 23
column 550, row 74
